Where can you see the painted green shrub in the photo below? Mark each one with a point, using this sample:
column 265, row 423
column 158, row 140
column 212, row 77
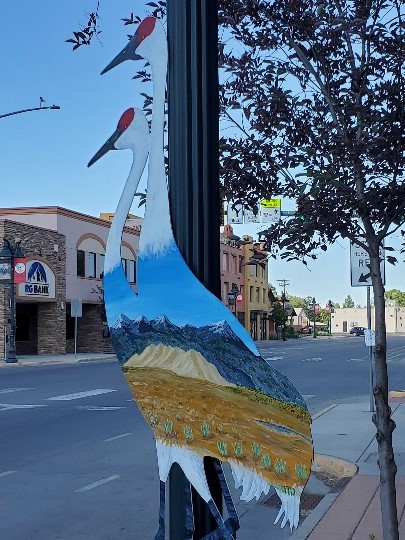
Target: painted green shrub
column 168, row 425
column 256, row 449
column 301, row 471
column 266, row 461
column 280, row 466
column 153, row 417
column 238, row 449
column 223, row 448
column 205, row 429
column 178, row 416
column 188, row 433
column 220, row 428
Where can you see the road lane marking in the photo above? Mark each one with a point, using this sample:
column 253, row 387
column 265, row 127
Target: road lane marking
column 312, row 359
column 97, row 484
column 79, row 395
column 8, row 390
column 9, row 406
column 323, row 411
column 118, row 437
column 95, row 408
column 6, row 473
column 308, row 396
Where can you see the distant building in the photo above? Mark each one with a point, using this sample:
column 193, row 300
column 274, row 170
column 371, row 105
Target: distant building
column 343, row 319
column 65, row 251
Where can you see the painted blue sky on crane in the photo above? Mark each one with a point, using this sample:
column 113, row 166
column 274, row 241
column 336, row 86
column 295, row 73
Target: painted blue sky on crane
column 169, row 278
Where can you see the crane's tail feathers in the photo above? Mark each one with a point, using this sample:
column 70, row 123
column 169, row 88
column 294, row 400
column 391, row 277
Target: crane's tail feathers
column 253, row 485
column 290, row 506
column 191, row 464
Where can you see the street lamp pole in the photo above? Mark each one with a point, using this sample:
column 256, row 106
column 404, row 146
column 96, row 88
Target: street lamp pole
column 8, row 255
column 29, row 110
column 313, row 305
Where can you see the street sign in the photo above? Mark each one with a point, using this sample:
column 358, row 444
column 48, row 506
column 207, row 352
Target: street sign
column 360, row 272
column 76, row 308
column 369, row 338
column 235, row 215
column 271, row 210
column 250, row 216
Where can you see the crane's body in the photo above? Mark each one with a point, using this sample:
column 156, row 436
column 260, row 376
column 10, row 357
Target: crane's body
column 195, row 372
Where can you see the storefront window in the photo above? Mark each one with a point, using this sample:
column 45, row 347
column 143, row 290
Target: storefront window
column 101, row 259
column 91, row 264
column 131, row 271
column 81, row 272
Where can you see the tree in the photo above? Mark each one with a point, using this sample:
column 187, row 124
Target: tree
column 297, row 301
column 316, row 89
column 395, row 294
column 348, row 302
column 312, row 99
column 278, row 314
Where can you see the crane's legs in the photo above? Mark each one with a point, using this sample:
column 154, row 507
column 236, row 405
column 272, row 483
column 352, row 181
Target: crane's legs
column 233, row 519
column 160, row 535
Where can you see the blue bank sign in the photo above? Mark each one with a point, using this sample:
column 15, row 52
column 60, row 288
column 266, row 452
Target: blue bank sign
column 40, row 281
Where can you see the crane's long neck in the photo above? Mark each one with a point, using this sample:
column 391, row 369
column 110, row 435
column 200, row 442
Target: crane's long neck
column 113, row 250
column 156, row 228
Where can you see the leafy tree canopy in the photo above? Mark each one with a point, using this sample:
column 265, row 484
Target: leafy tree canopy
column 395, row 294
column 348, row 302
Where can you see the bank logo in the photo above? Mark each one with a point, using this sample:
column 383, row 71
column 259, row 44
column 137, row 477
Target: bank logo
column 37, row 282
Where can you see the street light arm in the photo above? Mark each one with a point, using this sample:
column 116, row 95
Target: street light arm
column 28, row 110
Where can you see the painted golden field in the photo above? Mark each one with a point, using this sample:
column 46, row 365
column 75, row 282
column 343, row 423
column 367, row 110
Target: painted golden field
column 226, row 422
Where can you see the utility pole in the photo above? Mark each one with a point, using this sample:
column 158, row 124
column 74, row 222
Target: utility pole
column 284, row 283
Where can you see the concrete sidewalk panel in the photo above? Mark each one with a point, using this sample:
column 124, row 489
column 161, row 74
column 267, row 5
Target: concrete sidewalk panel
column 344, row 515
column 347, row 428
column 371, row 521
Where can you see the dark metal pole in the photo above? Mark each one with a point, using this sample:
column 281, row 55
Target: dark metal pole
column 193, row 99
column 11, row 357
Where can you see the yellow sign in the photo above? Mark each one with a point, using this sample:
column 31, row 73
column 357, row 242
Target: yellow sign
column 271, row 203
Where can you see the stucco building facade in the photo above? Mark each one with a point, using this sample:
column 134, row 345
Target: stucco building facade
column 65, row 253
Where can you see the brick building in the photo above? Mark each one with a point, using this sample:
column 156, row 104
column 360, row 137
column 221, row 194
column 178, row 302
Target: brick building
column 65, row 250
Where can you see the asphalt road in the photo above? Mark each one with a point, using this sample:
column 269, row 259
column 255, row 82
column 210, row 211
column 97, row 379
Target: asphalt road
column 77, row 460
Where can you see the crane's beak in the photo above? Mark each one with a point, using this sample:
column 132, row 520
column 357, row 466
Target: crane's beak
column 127, row 53
column 107, row 146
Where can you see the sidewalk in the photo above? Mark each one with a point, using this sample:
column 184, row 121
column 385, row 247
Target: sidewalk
column 46, row 359
column 347, row 431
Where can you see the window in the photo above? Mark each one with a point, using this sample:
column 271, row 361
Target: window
column 257, row 294
column 240, row 264
column 124, row 265
column 251, row 294
column 101, row 259
column 80, row 263
column 91, row 264
column 225, row 262
column 131, row 271
column 234, row 269
column 264, row 296
column 252, row 270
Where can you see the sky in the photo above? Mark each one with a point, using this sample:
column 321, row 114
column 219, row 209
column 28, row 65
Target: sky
column 44, row 154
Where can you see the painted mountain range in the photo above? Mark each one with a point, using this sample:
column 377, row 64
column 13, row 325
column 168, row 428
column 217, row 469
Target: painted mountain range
column 217, row 343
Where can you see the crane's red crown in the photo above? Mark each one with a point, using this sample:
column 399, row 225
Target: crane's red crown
column 126, row 119
column 145, row 29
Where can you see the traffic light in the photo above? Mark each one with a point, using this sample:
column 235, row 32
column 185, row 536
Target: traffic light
column 305, row 207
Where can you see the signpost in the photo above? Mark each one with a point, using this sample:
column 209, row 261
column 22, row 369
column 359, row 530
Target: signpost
column 360, row 272
column 360, row 275
column 76, row 310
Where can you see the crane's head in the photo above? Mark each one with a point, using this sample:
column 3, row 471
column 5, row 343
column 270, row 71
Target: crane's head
column 148, row 39
column 132, row 133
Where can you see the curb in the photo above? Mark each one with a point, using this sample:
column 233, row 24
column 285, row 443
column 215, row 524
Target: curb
column 61, row 362
column 335, row 466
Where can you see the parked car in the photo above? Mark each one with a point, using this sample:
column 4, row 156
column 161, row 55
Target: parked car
column 357, row 331
column 305, row 330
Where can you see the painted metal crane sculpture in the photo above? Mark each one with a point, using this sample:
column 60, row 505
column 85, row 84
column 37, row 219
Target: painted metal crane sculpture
column 195, row 372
